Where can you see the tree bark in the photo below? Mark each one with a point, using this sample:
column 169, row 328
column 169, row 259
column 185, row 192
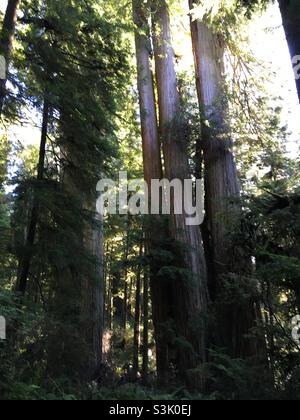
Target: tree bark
column 109, row 304
column 152, row 170
column 290, row 12
column 137, row 317
column 189, row 296
column 6, row 42
column 126, row 291
column 145, row 366
column 92, row 289
column 24, row 268
column 222, row 192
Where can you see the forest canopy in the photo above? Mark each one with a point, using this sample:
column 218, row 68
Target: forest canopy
column 149, row 200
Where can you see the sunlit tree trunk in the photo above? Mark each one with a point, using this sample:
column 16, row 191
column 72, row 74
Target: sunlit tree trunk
column 6, row 42
column 222, row 193
column 152, row 170
column 290, row 12
column 188, row 291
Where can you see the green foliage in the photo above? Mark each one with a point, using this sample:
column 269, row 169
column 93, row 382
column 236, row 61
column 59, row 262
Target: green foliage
column 239, row 380
column 73, row 56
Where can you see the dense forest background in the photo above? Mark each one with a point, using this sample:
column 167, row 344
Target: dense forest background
column 146, row 307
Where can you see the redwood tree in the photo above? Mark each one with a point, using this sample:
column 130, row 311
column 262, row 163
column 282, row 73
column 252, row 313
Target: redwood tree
column 152, row 170
column 188, row 290
column 222, row 194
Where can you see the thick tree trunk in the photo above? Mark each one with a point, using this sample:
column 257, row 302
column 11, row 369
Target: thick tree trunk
column 223, row 211
column 188, row 292
column 152, row 170
column 6, row 42
column 290, row 12
column 24, row 268
column 80, row 289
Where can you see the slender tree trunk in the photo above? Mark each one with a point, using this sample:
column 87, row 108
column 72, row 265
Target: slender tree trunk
column 137, row 318
column 145, row 366
column 6, row 42
column 24, row 268
column 189, row 297
column 110, row 317
column 290, row 12
column 223, row 210
column 129, row 307
column 152, row 170
column 108, row 295
column 126, row 299
column 118, row 303
column 126, row 292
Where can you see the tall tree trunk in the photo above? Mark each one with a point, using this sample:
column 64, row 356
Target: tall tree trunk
column 222, row 192
column 137, row 318
column 290, row 12
column 152, row 170
column 6, row 42
column 108, row 295
column 126, row 300
column 189, row 297
column 92, row 289
column 24, row 268
column 109, row 304
column 126, row 291
column 145, row 366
